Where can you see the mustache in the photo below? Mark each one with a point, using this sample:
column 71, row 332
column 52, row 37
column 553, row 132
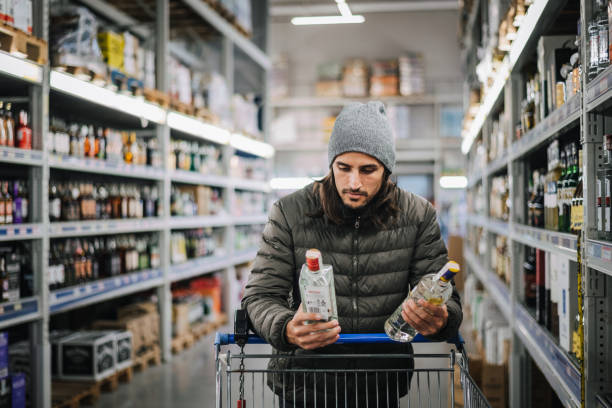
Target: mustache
column 348, row 190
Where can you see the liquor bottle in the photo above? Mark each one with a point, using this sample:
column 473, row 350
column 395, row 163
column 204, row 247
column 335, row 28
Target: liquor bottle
column 9, row 124
column 3, row 135
column 541, row 285
column 538, row 203
column 560, row 190
column 154, row 254
column 571, row 184
column 317, row 287
column 125, row 200
column 531, row 197
column 24, row 133
column 593, row 37
column 100, row 144
column 554, row 173
column 602, row 26
column 8, row 203
column 55, row 202
column 577, row 214
column 529, row 269
column 20, row 203
column 436, row 288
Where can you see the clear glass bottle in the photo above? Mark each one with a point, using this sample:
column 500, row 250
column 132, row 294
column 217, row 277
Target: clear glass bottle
column 607, row 189
column 436, row 288
column 317, row 287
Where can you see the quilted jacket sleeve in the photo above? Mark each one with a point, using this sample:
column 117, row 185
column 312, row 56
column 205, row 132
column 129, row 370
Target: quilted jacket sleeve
column 429, row 256
column 270, row 282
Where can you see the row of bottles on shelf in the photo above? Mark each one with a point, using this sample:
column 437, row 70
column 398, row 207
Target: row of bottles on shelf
column 551, row 290
column 191, row 244
column 248, row 168
column 498, row 137
column 14, row 202
column 197, row 157
column 75, row 261
column 14, row 133
column 16, row 280
column 103, row 143
column 190, row 201
column 555, row 201
column 499, row 198
column 74, row 201
column 604, row 191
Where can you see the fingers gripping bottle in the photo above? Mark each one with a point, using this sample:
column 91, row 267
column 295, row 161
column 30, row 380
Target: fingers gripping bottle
column 436, row 288
column 317, row 287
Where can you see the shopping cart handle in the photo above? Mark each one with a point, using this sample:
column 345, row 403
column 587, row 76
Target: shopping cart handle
column 223, row 339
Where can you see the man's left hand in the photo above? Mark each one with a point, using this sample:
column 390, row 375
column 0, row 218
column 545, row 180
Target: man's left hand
column 426, row 318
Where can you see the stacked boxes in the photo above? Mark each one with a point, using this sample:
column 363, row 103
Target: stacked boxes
column 87, row 356
column 355, row 78
column 384, row 79
column 329, row 82
column 411, row 74
column 112, row 45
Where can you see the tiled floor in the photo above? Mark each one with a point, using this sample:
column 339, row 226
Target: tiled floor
column 189, row 382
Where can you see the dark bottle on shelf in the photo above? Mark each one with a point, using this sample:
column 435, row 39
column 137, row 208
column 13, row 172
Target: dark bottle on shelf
column 560, row 190
column 23, row 137
column 8, row 203
column 115, row 200
column 3, row 135
column 571, row 184
column 577, row 207
column 529, row 269
column 19, row 203
column 541, row 307
column 100, row 144
column 538, row 203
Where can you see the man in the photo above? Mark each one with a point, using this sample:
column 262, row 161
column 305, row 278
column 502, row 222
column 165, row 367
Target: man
column 380, row 241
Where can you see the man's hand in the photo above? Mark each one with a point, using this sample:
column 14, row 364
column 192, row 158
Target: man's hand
column 310, row 336
column 426, row 318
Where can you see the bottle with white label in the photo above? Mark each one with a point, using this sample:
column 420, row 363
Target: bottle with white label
column 436, row 288
column 317, row 287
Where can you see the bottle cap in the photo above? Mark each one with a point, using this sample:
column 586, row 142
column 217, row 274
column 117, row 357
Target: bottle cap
column 313, row 257
column 449, row 271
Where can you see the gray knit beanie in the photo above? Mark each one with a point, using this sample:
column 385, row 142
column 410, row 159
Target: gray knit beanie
column 363, row 128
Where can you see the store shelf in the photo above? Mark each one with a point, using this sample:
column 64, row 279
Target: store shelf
column 244, row 256
column 325, row 102
column 89, row 165
column 200, row 222
column 490, row 224
column 550, row 241
column 21, row 311
column 74, row 297
column 225, row 28
column 83, row 228
column 191, row 177
column 21, row 156
column 554, row 123
column 250, row 219
column 553, row 362
column 525, row 36
column 498, row 289
column 20, row 68
column 251, row 146
column 14, row 232
column 599, row 256
column 599, row 90
column 251, row 185
column 90, row 92
column 199, row 266
column 497, row 165
column 475, row 178
column 198, row 128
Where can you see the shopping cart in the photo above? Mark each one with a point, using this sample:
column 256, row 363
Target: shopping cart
column 430, row 382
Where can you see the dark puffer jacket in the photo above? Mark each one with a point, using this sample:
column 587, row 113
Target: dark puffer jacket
column 373, row 270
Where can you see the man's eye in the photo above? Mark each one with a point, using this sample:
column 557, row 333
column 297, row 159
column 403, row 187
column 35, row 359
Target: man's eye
column 367, row 171
column 343, row 168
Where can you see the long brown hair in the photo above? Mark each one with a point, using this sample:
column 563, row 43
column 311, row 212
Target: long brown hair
column 379, row 211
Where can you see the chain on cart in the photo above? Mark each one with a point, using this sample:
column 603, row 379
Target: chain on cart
column 363, row 380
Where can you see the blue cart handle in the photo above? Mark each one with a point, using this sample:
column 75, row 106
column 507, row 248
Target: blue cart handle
column 224, row 339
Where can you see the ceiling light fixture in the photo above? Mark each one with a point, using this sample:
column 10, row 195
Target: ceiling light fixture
column 345, row 17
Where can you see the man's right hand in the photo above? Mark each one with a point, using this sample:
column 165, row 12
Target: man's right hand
column 314, row 335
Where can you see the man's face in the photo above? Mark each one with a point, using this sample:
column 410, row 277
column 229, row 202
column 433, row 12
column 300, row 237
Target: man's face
column 358, row 178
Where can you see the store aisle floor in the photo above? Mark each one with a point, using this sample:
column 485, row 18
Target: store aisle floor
column 189, row 380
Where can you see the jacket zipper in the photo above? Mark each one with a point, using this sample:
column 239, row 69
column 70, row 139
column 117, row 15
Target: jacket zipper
column 355, row 277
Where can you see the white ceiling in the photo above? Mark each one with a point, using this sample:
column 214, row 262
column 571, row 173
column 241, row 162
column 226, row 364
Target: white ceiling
column 321, row 7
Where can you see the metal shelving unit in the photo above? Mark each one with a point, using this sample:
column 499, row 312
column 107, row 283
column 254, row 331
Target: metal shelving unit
column 44, row 86
column 585, row 112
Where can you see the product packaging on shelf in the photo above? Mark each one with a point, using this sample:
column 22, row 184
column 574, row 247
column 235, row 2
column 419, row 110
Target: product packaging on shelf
column 4, row 354
column 5, row 391
column 22, row 13
column 18, row 390
column 87, row 356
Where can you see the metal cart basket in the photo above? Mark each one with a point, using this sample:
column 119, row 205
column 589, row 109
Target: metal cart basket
column 244, row 380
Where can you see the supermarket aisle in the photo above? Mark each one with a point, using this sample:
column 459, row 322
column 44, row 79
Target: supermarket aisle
column 189, row 381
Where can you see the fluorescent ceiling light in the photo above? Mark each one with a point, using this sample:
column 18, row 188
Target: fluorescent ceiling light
column 291, row 183
column 344, row 9
column 198, row 128
column 453, row 182
column 93, row 93
column 248, row 145
column 327, row 20
column 20, row 68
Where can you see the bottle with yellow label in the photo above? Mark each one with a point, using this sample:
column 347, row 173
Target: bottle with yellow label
column 436, row 288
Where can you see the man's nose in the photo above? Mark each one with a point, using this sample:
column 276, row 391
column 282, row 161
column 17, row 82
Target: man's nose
column 354, row 181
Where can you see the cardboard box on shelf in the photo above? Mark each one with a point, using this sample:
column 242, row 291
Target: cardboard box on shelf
column 495, row 384
column 180, row 319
